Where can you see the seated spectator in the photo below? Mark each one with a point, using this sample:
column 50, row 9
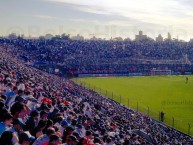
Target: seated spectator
column 19, row 109
column 49, row 124
column 69, row 130
column 97, row 140
column 38, row 131
column 58, row 123
column 57, row 131
column 80, row 130
column 52, row 115
column 72, row 140
column 25, row 139
column 3, row 110
column 2, row 104
column 44, row 139
column 87, row 140
column 43, row 115
column 3, row 97
column 16, row 129
column 6, row 122
column 32, row 121
column 109, row 141
column 55, row 140
column 6, row 138
column 11, row 97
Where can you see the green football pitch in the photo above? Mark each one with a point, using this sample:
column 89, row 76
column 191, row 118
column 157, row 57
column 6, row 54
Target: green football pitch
column 151, row 95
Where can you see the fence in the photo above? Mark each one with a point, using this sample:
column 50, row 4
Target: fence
column 172, row 122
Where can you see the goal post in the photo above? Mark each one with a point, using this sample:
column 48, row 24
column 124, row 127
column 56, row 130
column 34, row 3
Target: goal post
column 157, row 72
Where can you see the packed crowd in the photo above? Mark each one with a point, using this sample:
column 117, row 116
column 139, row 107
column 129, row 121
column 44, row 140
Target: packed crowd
column 102, row 56
column 43, row 109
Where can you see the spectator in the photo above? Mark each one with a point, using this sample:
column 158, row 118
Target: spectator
column 6, row 138
column 6, row 122
column 38, row 131
column 25, row 139
column 44, row 139
column 16, row 129
column 55, row 140
column 72, row 140
column 32, row 121
column 69, row 130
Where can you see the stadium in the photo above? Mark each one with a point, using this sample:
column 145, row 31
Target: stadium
column 43, row 83
column 90, row 83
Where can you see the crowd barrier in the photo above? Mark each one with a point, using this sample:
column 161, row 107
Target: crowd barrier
column 109, row 75
column 128, row 74
column 170, row 121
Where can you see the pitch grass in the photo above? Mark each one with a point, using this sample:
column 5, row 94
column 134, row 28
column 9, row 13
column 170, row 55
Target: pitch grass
column 153, row 94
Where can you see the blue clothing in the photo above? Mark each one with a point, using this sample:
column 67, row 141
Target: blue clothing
column 9, row 95
column 2, row 128
column 42, row 140
column 12, row 130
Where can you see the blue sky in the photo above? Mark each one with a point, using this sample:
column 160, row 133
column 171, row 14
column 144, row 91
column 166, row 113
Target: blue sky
column 102, row 18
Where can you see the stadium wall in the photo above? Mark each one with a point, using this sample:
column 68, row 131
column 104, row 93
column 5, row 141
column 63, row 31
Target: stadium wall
column 128, row 74
column 109, row 75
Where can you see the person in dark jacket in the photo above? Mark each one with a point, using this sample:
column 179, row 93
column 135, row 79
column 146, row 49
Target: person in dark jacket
column 6, row 138
column 31, row 123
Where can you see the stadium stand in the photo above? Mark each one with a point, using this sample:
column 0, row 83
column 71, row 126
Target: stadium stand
column 40, row 108
column 104, row 56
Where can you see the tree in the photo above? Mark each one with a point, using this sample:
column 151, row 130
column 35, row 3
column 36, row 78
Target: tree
column 127, row 39
column 77, row 37
column 48, row 36
column 65, row 37
column 118, row 39
column 56, row 37
column 93, row 38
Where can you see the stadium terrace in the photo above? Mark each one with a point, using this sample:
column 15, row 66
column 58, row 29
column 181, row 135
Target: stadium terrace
column 41, row 108
column 103, row 56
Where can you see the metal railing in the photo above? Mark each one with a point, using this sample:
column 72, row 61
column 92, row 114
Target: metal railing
column 173, row 122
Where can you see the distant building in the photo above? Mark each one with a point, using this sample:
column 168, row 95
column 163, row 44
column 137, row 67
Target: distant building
column 159, row 38
column 140, row 37
column 191, row 40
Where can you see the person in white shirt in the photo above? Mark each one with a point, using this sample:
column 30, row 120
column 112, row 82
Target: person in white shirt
column 88, row 112
column 21, row 86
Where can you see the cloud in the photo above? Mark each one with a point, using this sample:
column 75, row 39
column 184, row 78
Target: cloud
column 159, row 15
column 151, row 11
column 45, row 17
column 136, row 12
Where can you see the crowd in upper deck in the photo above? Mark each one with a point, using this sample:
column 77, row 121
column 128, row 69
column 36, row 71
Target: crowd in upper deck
column 107, row 56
